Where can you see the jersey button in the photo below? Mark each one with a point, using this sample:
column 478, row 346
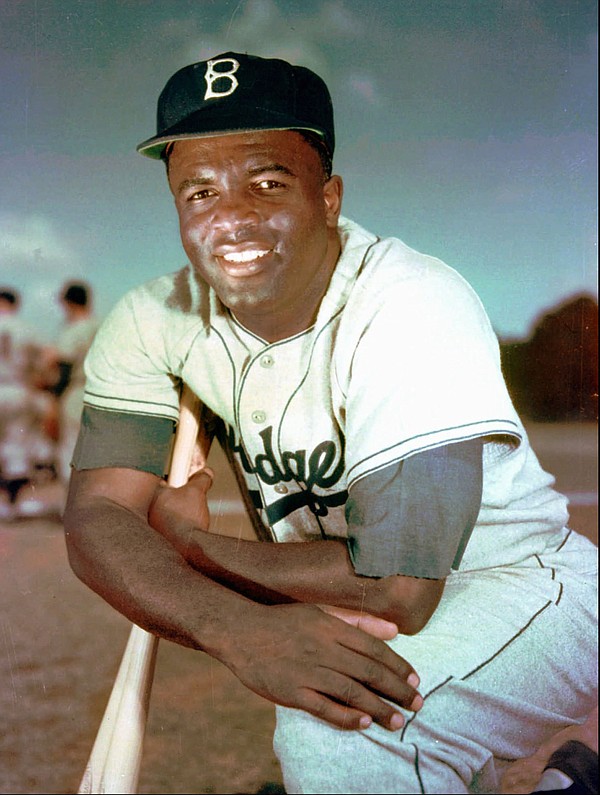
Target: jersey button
column 267, row 361
column 280, row 488
column 258, row 417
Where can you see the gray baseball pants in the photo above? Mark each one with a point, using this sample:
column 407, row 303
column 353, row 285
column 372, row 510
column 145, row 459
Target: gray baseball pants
column 508, row 659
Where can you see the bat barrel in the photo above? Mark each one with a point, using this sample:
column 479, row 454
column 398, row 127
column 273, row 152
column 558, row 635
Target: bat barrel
column 115, row 763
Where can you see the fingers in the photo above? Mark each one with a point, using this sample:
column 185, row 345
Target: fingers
column 378, row 627
column 372, row 625
column 375, row 672
column 379, row 679
column 376, row 652
column 339, row 715
column 186, row 503
column 350, row 705
column 325, row 666
column 369, row 680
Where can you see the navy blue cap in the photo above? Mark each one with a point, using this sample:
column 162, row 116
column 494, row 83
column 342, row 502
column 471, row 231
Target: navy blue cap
column 234, row 92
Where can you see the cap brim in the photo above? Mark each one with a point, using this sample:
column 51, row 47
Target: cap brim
column 202, row 126
column 154, row 147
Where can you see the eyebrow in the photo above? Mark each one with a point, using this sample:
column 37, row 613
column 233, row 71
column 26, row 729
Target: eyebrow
column 193, row 182
column 271, row 167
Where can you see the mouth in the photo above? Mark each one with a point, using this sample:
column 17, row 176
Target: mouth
column 244, row 262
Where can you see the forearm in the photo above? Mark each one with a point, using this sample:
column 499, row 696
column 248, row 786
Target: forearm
column 115, row 553
column 318, row 572
column 295, row 655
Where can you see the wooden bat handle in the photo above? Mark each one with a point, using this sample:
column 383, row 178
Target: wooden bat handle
column 190, row 447
column 116, row 757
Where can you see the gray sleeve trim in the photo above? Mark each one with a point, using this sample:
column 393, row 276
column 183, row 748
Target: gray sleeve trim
column 415, row 517
column 123, row 439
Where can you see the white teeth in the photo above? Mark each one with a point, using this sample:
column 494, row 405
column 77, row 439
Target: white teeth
column 244, row 256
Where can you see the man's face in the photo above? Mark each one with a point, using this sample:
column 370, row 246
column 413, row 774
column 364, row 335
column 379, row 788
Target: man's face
column 258, row 223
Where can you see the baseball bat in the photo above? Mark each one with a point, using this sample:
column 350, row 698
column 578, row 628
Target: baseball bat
column 116, row 756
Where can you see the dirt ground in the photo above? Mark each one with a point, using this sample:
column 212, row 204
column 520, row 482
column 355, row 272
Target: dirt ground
column 60, row 646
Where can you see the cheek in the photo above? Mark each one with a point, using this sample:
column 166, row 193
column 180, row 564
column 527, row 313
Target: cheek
column 192, row 235
column 301, row 229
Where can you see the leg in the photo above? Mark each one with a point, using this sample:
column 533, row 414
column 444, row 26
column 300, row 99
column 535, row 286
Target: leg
column 508, row 660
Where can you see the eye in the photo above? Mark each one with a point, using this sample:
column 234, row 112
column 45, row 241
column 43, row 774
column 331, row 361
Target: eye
column 268, row 185
column 200, row 195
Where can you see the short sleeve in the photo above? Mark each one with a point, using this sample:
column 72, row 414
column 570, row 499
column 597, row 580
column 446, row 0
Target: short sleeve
column 127, row 367
column 415, row 517
column 121, row 439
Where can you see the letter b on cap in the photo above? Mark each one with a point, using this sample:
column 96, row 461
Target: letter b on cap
column 212, row 75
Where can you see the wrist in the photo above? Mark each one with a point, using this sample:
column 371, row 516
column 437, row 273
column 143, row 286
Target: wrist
column 222, row 635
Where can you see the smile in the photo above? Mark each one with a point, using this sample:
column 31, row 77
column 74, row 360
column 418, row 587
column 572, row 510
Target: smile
column 244, row 256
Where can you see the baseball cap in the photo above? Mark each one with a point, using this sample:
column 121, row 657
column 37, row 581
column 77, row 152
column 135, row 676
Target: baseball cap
column 235, row 92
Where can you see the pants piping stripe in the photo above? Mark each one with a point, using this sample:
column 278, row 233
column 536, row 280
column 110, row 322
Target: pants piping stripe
column 508, row 642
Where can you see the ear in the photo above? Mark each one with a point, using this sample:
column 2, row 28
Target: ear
column 333, row 191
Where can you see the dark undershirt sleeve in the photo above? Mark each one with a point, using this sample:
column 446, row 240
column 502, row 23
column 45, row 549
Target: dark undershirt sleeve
column 122, row 439
column 415, row 517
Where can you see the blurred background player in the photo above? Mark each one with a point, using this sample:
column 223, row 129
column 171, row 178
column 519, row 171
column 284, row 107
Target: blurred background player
column 65, row 377
column 26, row 451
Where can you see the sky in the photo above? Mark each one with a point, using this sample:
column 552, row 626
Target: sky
column 467, row 128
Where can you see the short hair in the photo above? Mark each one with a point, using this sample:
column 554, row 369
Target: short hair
column 320, row 148
column 76, row 293
column 10, row 295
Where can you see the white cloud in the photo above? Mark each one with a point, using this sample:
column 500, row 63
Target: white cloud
column 335, row 21
column 33, row 243
column 313, row 39
column 36, row 259
column 364, row 86
column 262, row 28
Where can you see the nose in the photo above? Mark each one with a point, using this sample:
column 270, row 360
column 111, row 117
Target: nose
column 235, row 211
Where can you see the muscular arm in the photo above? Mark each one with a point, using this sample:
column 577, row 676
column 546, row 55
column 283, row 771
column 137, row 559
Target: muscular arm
column 111, row 549
column 414, row 519
column 292, row 654
column 318, row 572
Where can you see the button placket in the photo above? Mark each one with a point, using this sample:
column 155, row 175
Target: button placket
column 259, row 416
column 261, row 403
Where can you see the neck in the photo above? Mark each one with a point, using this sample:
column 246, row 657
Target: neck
column 301, row 315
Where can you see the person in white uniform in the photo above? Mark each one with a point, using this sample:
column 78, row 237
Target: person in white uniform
column 64, row 364
column 27, row 453
column 426, row 615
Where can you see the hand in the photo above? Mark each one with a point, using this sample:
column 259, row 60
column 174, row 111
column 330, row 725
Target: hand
column 188, row 504
column 372, row 625
column 524, row 775
column 299, row 656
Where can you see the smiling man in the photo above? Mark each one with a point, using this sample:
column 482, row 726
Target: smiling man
column 258, row 222
column 427, row 614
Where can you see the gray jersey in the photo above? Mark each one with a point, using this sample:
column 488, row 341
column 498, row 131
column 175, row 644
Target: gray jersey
column 401, row 359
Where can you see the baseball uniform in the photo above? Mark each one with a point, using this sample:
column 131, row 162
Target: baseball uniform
column 401, row 360
column 72, row 346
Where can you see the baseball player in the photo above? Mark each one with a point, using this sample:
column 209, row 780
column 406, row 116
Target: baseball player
column 426, row 615
column 64, row 364
column 26, row 452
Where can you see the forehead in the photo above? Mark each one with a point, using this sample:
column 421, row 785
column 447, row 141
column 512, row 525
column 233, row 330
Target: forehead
column 279, row 146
